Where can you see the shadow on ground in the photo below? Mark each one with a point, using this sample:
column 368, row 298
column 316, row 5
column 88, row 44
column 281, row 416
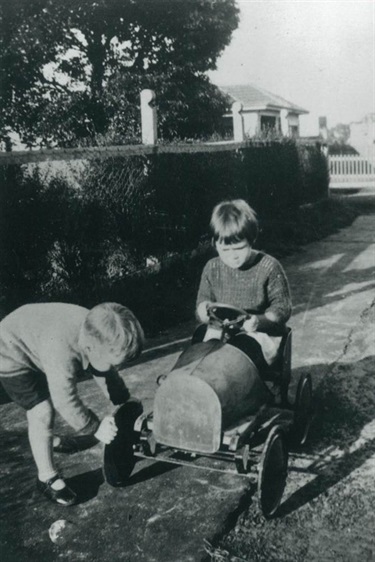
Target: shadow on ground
column 345, row 405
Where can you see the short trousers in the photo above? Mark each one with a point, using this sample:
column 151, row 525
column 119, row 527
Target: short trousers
column 26, row 390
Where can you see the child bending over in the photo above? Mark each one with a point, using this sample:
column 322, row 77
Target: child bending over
column 44, row 348
column 245, row 278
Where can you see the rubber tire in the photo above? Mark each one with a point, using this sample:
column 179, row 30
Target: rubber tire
column 273, row 471
column 119, row 458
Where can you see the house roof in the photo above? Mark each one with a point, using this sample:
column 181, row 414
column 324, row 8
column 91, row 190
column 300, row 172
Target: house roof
column 255, row 98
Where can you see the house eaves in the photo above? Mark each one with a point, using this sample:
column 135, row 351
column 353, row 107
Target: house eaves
column 254, row 98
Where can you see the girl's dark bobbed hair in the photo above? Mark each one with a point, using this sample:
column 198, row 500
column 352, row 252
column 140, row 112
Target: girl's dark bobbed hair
column 233, row 221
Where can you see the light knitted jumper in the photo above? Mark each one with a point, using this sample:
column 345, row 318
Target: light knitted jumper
column 259, row 287
column 44, row 337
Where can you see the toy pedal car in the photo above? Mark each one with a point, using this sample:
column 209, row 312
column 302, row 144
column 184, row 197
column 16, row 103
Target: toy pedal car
column 214, row 403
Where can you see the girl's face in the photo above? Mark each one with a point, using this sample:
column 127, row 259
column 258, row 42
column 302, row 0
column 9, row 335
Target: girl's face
column 234, row 255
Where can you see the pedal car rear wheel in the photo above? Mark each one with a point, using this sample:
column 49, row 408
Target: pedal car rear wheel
column 273, row 471
column 302, row 410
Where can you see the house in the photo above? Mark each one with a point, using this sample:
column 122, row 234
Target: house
column 362, row 136
column 263, row 111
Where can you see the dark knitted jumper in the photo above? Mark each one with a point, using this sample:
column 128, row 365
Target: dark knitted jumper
column 258, row 287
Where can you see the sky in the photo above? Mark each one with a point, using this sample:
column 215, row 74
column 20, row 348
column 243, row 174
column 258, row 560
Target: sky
column 319, row 54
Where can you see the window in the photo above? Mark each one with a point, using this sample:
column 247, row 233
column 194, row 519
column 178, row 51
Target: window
column 293, row 131
column 267, row 122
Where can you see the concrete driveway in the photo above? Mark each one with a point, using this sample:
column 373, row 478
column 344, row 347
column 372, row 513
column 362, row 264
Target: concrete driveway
column 167, row 513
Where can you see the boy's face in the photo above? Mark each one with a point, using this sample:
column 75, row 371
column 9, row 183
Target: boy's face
column 234, row 255
column 101, row 359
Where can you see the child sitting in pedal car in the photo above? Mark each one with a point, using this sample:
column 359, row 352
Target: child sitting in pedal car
column 245, row 278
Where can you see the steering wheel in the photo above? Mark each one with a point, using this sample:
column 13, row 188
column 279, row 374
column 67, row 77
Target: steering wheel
column 226, row 316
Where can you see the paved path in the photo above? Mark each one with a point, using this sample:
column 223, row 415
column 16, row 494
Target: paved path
column 166, row 514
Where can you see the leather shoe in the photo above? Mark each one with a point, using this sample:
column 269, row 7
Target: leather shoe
column 65, row 496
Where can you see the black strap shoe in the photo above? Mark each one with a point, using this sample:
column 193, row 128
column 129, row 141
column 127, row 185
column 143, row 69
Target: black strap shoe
column 65, row 496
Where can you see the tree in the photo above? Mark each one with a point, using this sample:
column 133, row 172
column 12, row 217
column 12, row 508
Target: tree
column 338, row 138
column 339, row 134
column 27, row 44
column 74, row 57
column 189, row 106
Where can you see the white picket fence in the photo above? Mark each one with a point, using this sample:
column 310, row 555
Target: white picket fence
column 351, row 171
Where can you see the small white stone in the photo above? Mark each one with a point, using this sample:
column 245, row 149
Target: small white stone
column 60, row 531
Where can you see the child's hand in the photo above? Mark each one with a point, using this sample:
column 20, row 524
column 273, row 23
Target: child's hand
column 107, row 430
column 251, row 325
column 202, row 311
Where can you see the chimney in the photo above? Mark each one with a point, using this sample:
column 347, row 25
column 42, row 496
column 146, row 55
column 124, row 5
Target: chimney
column 323, row 131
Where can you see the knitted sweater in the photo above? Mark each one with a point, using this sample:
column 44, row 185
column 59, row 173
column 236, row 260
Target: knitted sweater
column 259, row 287
column 44, row 337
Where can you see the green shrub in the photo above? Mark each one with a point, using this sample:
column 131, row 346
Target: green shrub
column 25, row 235
column 89, row 242
column 162, row 203
column 315, row 174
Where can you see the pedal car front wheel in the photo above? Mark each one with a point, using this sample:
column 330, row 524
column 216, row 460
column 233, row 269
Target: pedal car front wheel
column 119, row 458
column 273, row 471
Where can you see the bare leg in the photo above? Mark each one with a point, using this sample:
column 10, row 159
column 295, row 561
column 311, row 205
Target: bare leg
column 40, row 420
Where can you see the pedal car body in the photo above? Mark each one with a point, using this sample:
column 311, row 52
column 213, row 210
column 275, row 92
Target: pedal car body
column 212, row 385
column 215, row 403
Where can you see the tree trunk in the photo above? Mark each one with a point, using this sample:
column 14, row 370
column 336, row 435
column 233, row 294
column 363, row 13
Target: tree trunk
column 96, row 53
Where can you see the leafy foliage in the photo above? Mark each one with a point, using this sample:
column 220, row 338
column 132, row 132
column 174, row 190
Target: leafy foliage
column 25, row 235
column 27, row 44
column 188, row 105
column 92, row 242
column 74, row 69
column 338, row 138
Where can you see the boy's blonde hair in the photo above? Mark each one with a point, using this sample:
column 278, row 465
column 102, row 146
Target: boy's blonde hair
column 233, row 221
column 114, row 326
